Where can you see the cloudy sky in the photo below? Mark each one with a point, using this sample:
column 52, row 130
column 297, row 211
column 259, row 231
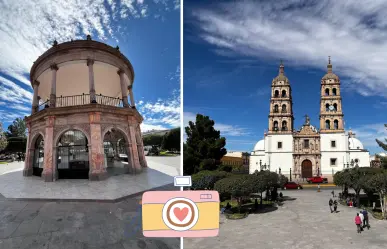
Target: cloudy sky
column 232, row 51
column 147, row 32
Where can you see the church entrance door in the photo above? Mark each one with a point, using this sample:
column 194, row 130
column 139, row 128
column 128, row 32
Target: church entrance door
column 306, row 169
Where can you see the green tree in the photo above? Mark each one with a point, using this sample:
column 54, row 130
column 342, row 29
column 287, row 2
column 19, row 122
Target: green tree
column 381, row 144
column 153, row 140
column 378, row 182
column 171, row 140
column 17, row 128
column 204, row 147
column 3, row 138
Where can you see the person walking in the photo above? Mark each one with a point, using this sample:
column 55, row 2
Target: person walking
column 318, row 187
column 330, row 205
column 365, row 220
column 333, row 194
column 362, row 220
column 335, row 206
column 358, row 223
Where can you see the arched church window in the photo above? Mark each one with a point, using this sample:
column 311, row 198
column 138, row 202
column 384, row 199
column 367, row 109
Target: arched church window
column 284, row 126
column 327, row 107
column 327, row 92
column 336, row 124
column 283, row 108
column 283, row 93
column 335, row 107
column 327, row 124
column 276, row 94
column 334, row 92
column 275, row 125
column 276, row 108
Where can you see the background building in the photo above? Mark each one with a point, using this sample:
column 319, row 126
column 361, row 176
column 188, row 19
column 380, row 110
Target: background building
column 308, row 151
column 81, row 123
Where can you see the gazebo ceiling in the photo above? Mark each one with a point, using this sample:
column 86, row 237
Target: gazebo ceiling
column 73, row 79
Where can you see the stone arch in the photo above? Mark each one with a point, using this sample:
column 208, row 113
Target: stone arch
column 59, row 133
column 335, row 106
column 276, row 108
column 283, row 93
column 122, row 130
column 283, row 108
column 34, row 137
column 327, row 124
column 326, row 91
column 336, row 124
column 334, row 91
column 276, row 93
column 326, row 107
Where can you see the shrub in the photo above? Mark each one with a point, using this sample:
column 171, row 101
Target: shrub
column 206, row 179
column 235, row 186
column 238, row 168
column 226, row 168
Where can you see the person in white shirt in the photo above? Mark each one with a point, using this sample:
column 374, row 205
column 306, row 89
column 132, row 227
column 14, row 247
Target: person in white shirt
column 362, row 219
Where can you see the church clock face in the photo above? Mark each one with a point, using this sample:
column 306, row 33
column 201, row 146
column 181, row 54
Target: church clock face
column 331, row 107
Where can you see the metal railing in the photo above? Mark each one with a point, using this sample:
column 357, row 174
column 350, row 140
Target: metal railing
column 84, row 99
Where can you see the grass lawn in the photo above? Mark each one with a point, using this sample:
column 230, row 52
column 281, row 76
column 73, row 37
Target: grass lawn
column 165, row 153
column 246, row 207
column 236, row 216
column 3, row 162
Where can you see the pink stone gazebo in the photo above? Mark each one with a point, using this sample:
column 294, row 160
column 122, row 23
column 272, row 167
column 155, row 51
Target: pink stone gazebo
column 81, row 124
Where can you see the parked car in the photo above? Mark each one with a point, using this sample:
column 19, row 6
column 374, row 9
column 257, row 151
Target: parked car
column 292, row 185
column 317, row 179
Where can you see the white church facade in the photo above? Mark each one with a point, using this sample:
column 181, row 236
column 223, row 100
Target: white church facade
column 309, row 151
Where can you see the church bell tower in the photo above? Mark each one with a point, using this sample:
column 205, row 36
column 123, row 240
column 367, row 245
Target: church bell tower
column 331, row 113
column 281, row 109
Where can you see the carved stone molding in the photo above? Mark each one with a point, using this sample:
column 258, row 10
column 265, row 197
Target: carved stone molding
column 59, row 130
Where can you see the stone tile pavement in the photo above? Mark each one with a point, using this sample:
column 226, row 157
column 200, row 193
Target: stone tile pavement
column 303, row 223
column 160, row 172
column 73, row 225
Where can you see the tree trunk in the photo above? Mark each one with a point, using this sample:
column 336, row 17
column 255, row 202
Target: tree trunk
column 381, row 198
column 357, row 198
column 261, row 200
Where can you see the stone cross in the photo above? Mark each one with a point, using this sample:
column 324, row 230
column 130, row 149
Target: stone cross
column 307, row 120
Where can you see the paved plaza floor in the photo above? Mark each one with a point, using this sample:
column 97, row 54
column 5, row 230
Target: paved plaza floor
column 160, row 172
column 76, row 225
column 302, row 223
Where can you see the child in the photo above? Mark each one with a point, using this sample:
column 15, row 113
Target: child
column 358, row 223
column 335, row 206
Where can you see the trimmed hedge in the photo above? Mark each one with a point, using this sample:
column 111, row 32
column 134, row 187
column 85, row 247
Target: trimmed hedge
column 205, row 180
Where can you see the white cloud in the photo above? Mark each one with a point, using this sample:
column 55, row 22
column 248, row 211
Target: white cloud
column 305, row 33
column 368, row 133
column 225, row 129
column 36, row 24
column 163, row 113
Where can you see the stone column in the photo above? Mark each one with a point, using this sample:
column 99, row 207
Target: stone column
column 90, row 64
column 123, row 88
column 136, row 166
column 29, row 151
column 140, row 148
column 35, row 100
column 132, row 103
column 97, row 169
column 54, row 69
column 48, row 167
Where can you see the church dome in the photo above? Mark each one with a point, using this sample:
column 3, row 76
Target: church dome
column 355, row 144
column 281, row 75
column 330, row 75
column 260, row 145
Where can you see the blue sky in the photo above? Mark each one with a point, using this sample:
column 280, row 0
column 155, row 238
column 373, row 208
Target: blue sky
column 147, row 32
column 232, row 51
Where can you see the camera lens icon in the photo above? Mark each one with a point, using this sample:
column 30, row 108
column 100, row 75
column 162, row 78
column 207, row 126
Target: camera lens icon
column 180, row 214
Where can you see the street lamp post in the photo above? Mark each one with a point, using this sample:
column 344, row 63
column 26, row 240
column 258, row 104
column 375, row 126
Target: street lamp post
column 260, row 164
column 352, row 163
column 290, row 174
column 279, row 170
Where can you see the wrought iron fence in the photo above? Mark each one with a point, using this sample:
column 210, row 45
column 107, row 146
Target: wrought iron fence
column 105, row 100
column 44, row 105
column 74, row 100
